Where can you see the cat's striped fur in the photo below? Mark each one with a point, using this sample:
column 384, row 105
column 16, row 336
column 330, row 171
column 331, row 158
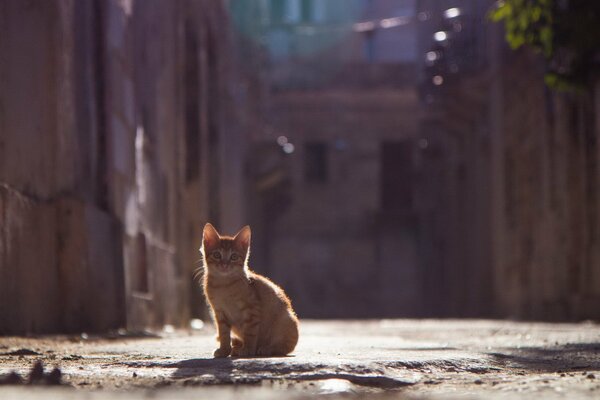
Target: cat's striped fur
column 253, row 315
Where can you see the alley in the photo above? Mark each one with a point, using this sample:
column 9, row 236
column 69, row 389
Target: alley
column 421, row 178
column 395, row 358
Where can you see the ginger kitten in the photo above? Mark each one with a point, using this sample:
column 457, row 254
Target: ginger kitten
column 254, row 317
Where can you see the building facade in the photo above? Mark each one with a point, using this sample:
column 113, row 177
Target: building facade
column 332, row 175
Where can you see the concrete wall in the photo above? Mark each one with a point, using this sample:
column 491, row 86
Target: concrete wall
column 118, row 124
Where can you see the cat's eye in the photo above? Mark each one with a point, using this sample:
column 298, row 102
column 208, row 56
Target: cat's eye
column 216, row 255
column 234, row 257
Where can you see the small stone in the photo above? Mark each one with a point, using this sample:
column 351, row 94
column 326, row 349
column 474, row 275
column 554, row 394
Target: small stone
column 54, row 377
column 22, row 352
column 478, row 382
column 591, row 376
column 37, row 373
column 72, row 357
column 563, row 375
column 11, row 379
column 135, row 375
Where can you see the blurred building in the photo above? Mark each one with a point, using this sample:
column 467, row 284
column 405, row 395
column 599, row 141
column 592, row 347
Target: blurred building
column 121, row 134
column 333, row 211
column 509, row 188
column 413, row 165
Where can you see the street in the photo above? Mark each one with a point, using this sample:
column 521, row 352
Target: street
column 387, row 359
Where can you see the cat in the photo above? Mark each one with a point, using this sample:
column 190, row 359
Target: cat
column 254, row 317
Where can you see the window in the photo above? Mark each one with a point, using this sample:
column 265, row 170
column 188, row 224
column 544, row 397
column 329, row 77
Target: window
column 397, row 176
column 315, row 162
column 277, row 11
column 292, row 11
column 369, row 46
column 318, row 11
column 297, row 11
column 307, row 7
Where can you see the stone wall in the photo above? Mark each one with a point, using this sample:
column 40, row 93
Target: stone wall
column 119, row 120
column 547, row 262
column 510, row 177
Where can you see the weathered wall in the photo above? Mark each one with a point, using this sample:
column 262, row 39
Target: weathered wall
column 52, row 215
column 547, row 256
column 118, row 121
column 511, row 173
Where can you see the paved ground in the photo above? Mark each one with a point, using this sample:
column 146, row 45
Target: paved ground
column 382, row 359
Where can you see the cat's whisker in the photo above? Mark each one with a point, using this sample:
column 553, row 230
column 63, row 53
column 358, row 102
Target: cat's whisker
column 198, row 273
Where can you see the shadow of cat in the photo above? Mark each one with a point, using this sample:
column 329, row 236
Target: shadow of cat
column 210, row 369
column 221, row 370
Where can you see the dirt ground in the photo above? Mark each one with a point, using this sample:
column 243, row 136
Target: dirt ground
column 381, row 359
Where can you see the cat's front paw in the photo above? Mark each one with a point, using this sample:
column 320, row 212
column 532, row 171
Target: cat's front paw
column 221, row 352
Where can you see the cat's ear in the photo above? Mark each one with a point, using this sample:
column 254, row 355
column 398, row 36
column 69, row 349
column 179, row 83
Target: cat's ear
column 242, row 238
column 210, row 236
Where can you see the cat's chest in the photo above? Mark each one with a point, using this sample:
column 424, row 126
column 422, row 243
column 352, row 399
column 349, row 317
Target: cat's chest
column 233, row 306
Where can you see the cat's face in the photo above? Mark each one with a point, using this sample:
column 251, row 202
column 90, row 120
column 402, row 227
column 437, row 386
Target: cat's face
column 225, row 255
